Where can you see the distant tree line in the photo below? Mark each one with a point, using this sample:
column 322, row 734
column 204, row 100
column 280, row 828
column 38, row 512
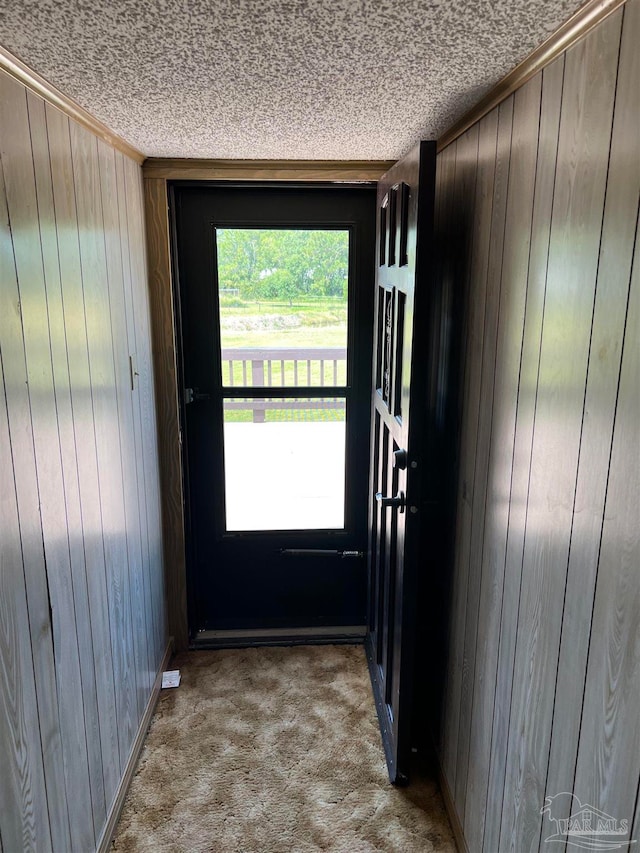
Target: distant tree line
column 283, row 264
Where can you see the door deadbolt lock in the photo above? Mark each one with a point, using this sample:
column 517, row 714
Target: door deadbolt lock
column 398, row 502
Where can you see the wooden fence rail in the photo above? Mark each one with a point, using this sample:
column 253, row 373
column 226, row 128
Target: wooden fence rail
column 298, row 367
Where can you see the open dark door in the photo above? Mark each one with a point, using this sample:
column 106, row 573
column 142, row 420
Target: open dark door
column 404, row 271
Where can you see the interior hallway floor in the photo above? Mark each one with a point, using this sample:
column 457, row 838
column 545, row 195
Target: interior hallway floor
column 274, row 750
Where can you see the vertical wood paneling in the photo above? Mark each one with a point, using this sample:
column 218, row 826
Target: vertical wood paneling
column 46, row 157
column 490, row 564
column 90, row 532
column 590, row 76
column 22, row 785
column 480, row 243
column 133, row 603
column 80, row 533
column 484, row 427
column 609, row 750
column 37, row 272
column 546, row 601
column 26, row 660
column 612, row 290
column 84, row 149
column 458, row 260
column 17, row 167
column 130, row 272
column 465, row 198
column 552, row 78
column 150, row 455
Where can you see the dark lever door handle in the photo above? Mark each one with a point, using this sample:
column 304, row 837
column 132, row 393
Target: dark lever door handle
column 398, row 502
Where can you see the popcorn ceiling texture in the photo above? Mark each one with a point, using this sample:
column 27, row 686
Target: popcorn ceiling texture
column 276, row 79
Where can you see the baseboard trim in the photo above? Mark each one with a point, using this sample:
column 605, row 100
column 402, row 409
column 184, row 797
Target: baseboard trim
column 452, row 814
column 116, row 808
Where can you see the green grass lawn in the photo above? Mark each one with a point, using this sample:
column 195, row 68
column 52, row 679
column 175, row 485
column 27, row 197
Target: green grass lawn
column 312, row 323
column 298, row 336
column 321, row 306
column 304, row 324
column 287, row 415
column 320, row 322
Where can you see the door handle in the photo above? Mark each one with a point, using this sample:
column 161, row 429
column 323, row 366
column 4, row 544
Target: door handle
column 317, row 552
column 398, row 502
column 400, row 459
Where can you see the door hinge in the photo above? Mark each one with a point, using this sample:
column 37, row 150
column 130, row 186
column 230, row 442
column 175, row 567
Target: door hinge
column 194, row 395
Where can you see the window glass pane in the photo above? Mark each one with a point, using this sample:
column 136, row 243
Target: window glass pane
column 283, row 306
column 284, row 464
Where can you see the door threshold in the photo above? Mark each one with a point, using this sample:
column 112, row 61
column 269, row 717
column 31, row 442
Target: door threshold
column 239, row 639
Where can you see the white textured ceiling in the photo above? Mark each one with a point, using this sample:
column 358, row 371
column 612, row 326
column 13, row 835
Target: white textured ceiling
column 283, row 79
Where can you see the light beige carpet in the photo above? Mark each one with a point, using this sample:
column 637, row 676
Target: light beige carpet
column 274, row 750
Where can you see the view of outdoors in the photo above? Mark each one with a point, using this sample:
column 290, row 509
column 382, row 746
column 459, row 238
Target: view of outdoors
column 283, row 323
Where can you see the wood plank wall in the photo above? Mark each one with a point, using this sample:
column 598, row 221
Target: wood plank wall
column 82, row 626
column 542, row 683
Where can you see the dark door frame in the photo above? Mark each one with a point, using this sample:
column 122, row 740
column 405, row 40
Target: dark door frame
column 156, row 174
column 252, row 637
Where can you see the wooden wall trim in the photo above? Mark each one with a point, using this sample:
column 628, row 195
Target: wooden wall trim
column 168, row 419
column 578, row 25
column 104, row 844
column 17, row 69
column 265, row 170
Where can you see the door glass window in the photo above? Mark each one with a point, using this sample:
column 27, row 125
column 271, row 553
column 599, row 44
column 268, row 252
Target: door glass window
column 284, row 463
column 283, row 297
column 283, row 306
